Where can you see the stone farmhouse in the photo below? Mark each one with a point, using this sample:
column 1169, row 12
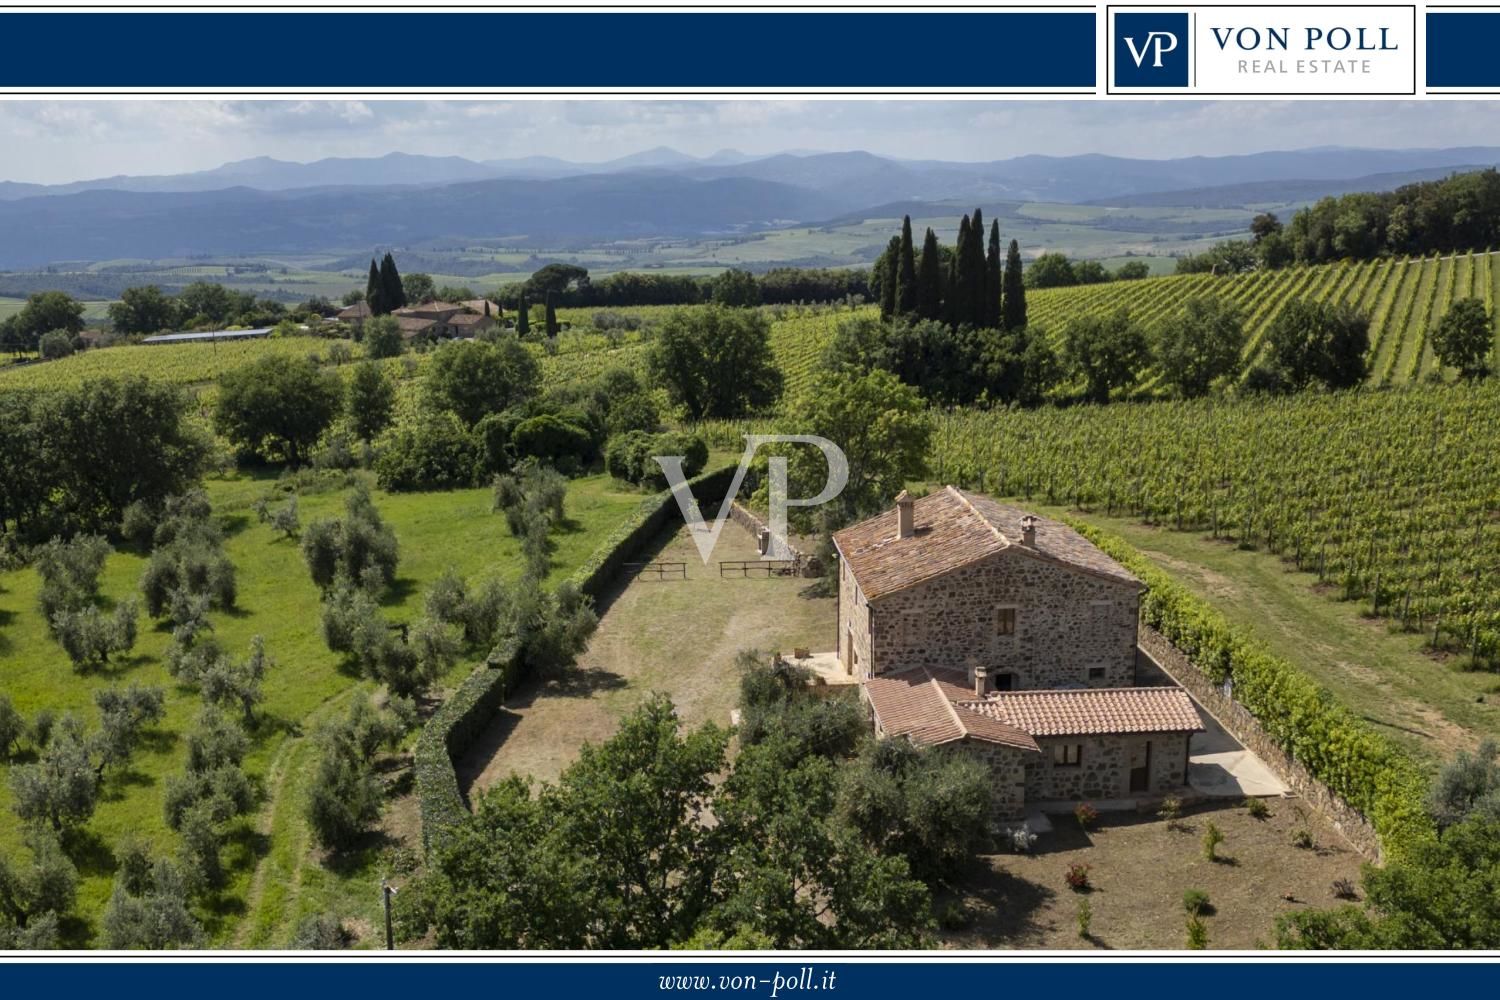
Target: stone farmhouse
column 434, row 320
column 973, row 623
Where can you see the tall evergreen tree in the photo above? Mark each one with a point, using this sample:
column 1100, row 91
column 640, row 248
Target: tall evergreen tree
column 887, row 267
column 962, row 297
column 551, row 313
column 906, row 275
column 975, row 307
column 930, row 279
column 993, row 279
column 375, row 292
column 1014, row 305
column 390, row 284
column 523, row 317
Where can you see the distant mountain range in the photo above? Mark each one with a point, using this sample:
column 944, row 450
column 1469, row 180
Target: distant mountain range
column 264, row 205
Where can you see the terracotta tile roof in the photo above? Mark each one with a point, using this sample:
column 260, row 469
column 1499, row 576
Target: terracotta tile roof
column 413, row 325
column 359, row 310
column 1092, row 711
column 917, row 705
column 955, row 529
column 478, row 305
column 470, row 319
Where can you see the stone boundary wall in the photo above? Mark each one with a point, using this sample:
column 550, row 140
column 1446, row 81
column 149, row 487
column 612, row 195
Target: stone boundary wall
column 1243, row 726
column 751, row 522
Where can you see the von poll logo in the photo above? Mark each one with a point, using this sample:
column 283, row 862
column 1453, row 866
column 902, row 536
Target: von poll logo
column 1151, row 50
column 706, row 535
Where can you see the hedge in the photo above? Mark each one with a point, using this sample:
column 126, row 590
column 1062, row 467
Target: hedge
column 460, row 719
column 1360, row 765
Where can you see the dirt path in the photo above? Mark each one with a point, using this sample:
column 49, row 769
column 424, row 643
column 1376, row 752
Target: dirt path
column 677, row 637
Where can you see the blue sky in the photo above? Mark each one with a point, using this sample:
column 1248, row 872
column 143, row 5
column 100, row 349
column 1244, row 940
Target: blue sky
column 58, row 141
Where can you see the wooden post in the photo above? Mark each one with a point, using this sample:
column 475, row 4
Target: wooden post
column 386, row 892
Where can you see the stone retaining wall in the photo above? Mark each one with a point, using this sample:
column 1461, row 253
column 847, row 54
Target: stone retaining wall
column 1244, row 727
column 751, row 522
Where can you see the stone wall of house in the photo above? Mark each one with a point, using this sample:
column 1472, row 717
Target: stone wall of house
column 1103, row 771
column 1069, row 624
column 853, row 625
column 808, row 565
column 1008, row 767
column 1244, row 727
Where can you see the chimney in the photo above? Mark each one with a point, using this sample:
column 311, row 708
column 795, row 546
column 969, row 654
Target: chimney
column 981, row 682
column 906, row 515
column 1028, row 531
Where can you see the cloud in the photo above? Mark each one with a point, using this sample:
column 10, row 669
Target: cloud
column 57, row 141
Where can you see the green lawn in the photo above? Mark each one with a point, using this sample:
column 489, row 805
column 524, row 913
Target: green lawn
column 306, row 686
column 1387, row 677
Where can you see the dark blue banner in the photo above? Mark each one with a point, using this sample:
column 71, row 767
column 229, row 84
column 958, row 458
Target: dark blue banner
column 839, row 51
column 1461, row 49
column 786, row 979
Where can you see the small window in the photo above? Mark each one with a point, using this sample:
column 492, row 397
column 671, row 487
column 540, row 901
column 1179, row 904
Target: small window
column 1067, row 754
column 1005, row 682
column 1096, row 673
column 1005, row 621
column 1102, row 609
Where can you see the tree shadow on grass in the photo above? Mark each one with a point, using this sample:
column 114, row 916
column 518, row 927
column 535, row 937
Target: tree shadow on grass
column 583, row 682
column 89, row 852
column 234, row 524
column 400, row 589
column 361, row 855
column 567, row 526
column 1008, row 904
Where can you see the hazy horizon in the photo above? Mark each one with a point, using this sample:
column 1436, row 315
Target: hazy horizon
column 58, row 142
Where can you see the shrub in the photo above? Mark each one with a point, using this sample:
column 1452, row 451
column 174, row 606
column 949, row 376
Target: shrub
column 1197, row 934
column 1195, row 902
column 434, row 452
column 56, row 344
column 1343, row 888
column 1257, row 808
column 1171, row 811
column 1085, row 917
column 1303, row 838
column 1086, row 815
column 1212, row 838
column 551, row 439
column 955, row 916
column 321, row 932
column 1077, row 877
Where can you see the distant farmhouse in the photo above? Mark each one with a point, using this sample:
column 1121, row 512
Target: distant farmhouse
column 976, row 624
column 434, row 320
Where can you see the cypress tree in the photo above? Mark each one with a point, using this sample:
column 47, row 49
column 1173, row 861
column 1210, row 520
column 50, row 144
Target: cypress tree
column 886, row 266
column 390, row 284
column 1014, row 307
column 977, row 279
column 961, row 310
column 992, row 279
column 906, row 276
column 930, row 279
column 523, row 317
column 374, row 293
column 551, row 314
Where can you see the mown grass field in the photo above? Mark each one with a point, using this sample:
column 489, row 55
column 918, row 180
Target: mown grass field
column 1387, row 678
column 276, row 875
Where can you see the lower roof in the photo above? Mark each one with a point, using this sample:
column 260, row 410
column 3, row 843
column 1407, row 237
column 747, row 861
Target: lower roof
column 936, row 706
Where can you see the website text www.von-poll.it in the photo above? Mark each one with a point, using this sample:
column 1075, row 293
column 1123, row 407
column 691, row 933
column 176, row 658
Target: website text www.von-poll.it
column 804, row 980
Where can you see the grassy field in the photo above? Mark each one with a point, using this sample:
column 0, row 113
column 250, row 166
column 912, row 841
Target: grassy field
column 1387, row 678
column 679, row 637
column 275, row 874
